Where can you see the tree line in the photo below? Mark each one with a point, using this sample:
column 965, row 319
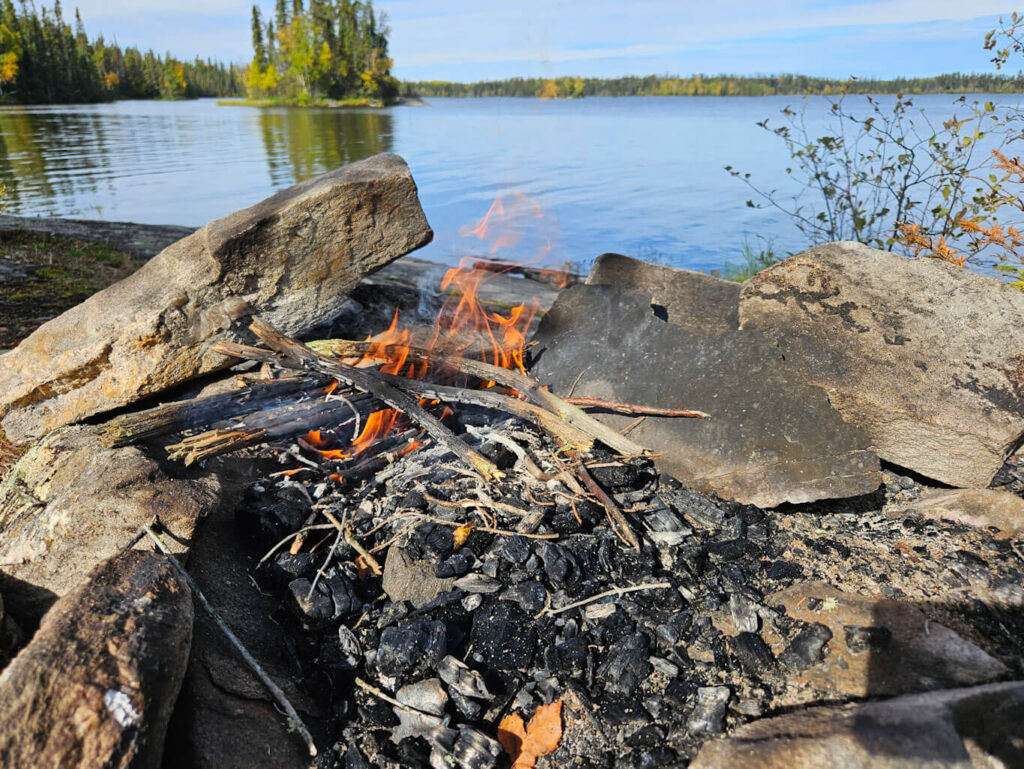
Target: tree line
column 46, row 59
column 332, row 49
column 717, row 85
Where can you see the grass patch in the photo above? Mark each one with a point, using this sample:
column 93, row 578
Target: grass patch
column 42, row 276
column 754, row 260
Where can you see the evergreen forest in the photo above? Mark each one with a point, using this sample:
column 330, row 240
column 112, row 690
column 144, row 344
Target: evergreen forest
column 330, row 50
column 45, row 59
column 716, row 85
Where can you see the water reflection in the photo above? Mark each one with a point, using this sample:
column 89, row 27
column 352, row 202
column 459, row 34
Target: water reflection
column 37, row 159
column 638, row 176
column 172, row 162
column 301, row 143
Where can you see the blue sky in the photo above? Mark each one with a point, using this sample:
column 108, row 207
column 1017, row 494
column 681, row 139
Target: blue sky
column 458, row 40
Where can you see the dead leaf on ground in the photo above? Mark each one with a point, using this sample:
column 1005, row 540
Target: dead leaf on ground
column 540, row 737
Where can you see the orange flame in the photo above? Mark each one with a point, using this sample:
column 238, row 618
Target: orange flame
column 463, row 326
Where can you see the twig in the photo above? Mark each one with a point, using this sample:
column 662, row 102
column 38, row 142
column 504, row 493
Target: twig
column 631, row 408
column 619, row 591
column 615, row 516
column 290, row 537
column 389, row 699
column 372, row 562
column 501, row 507
column 453, row 524
column 273, row 688
column 633, row 425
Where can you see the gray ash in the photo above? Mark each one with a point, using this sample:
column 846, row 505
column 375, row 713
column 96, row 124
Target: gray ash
column 472, row 624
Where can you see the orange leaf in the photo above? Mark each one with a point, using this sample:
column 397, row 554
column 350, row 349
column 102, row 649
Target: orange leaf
column 540, row 737
column 511, row 733
column 462, row 534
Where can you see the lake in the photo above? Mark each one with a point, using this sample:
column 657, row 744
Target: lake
column 642, row 176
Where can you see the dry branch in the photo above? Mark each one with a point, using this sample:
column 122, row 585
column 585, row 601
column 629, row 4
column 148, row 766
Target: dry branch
column 530, row 388
column 632, row 408
column 371, row 382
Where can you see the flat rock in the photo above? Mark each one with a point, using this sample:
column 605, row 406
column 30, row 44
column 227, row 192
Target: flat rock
column 882, row 647
column 982, row 508
column 292, row 259
column 771, row 438
column 696, row 301
column 96, row 685
column 225, row 718
column 411, row 579
column 71, row 502
column 926, row 357
column 972, row 728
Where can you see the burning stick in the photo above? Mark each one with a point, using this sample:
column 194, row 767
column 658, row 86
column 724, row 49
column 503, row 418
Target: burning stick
column 371, row 382
column 541, row 417
column 530, row 388
column 528, row 411
column 199, row 412
column 266, row 426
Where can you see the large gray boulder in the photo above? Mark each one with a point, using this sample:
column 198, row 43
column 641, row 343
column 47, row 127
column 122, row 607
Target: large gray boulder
column 771, row 437
column 976, row 728
column 292, row 259
column 924, row 356
column 96, row 685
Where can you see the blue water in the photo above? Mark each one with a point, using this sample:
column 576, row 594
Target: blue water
column 641, row 176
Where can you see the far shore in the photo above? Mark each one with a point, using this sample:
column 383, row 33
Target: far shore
column 361, row 102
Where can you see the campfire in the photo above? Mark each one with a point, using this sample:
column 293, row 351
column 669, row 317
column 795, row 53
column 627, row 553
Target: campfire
column 624, row 522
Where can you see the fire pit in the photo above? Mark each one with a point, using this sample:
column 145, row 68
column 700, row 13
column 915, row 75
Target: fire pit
column 634, row 526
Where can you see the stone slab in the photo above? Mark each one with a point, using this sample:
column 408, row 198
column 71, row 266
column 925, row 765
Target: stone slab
column 71, row 502
column 694, row 300
column 972, row 728
column 770, row 439
column 924, row 356
column 883, row 647
column 982, row 508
